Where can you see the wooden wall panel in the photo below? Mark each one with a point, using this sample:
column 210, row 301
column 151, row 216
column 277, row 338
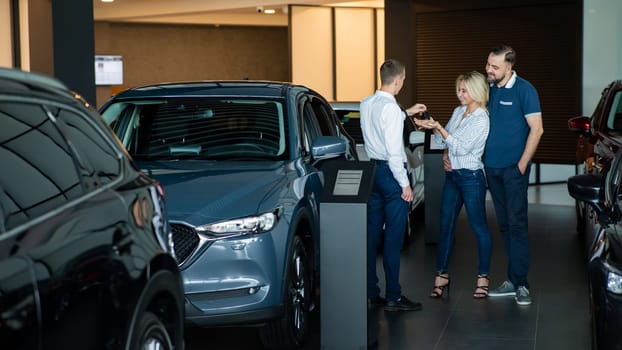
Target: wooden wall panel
column 452, row 42
column 155, row 53
column 311, row 43
column 380, row 55
column 355, row 53
column 6, row 34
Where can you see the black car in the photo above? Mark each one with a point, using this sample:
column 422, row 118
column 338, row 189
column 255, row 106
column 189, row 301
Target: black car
column 85, row 253
column 604, row 195
column 600, row 137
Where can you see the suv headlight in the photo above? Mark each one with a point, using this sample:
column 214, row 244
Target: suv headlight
column 247, row 225
column 614, row 283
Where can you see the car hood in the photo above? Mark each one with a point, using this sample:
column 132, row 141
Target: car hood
column 201, row 192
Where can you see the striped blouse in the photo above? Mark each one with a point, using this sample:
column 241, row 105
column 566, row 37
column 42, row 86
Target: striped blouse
column 467, row 138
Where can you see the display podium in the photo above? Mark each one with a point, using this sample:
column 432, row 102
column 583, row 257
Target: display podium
column 434, row 177
column 343, row 254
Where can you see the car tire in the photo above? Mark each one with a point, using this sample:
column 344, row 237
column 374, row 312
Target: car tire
column 162, row 298
column 150, row 334
column 292, row 329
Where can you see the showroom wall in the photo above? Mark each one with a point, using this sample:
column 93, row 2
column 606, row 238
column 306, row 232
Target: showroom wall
column 602, row 48
column 167, row 52
column 6, row 41
column 336, row 51
column 451, row 37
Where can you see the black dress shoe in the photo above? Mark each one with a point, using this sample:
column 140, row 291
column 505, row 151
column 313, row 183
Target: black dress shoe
column 402, row 304
column 375, row 302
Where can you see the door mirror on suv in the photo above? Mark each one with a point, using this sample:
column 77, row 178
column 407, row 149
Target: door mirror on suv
column 580, row 125
column 589, row 188
column 325, row 147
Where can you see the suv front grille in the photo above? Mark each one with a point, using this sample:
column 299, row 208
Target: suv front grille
column 185, row 241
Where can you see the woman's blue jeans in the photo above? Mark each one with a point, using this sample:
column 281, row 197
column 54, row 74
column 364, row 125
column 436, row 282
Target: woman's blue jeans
column 464, row 187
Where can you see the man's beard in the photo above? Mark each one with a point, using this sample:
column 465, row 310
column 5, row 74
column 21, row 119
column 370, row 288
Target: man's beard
column 493, row 79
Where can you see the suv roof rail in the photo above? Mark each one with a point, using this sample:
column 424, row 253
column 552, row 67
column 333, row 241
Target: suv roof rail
column 32, row 78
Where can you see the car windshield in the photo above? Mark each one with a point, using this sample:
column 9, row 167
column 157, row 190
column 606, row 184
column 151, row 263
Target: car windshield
column 200, row 128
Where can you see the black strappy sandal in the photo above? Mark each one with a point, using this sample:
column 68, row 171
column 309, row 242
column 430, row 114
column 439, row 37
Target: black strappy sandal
column 481, row 291
column 440, row 290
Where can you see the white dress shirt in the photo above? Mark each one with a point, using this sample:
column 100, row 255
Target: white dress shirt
column 382, row 123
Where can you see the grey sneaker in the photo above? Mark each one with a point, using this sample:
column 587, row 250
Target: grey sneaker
column 505, row 289
column 522, row 296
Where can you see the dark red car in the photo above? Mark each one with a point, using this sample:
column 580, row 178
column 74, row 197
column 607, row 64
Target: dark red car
column 600, row 137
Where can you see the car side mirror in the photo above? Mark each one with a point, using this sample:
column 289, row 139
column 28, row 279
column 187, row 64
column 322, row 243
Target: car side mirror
column 327, row 147
column 589, row 188
column 580, row 125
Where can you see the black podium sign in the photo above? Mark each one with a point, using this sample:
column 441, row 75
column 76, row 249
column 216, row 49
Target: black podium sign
column 347, row 181
column 343, row 254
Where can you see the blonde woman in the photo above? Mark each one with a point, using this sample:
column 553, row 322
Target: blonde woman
column 464, row 139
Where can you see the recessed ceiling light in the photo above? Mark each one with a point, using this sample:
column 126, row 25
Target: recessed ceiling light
column 269, row 11
column 107, row 0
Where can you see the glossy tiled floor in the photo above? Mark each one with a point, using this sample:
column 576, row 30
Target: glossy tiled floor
column 558, row 318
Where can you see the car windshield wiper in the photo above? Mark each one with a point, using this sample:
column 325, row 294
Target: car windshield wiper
column 244, row 157
column 171, row 157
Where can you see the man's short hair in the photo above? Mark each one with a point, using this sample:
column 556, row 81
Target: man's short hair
column 507, row 51
column 390, row 70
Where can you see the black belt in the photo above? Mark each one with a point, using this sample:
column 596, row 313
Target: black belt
column 380, row 161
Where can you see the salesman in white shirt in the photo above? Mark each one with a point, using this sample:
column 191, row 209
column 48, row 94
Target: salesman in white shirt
column 382, row 123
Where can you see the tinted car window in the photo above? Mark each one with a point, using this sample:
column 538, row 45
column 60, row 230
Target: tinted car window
column 614, row 119
column 98, row 161
column 33, row 151
column 310, row 125
column 597, row 115
column 324, row 120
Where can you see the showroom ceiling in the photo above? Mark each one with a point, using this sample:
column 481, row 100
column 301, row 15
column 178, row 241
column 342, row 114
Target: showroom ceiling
column 217, row 12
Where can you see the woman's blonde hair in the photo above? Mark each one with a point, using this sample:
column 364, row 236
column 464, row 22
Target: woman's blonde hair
column 476, row 85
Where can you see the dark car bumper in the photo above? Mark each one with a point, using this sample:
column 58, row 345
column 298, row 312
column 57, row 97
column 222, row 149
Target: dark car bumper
column 607, row 306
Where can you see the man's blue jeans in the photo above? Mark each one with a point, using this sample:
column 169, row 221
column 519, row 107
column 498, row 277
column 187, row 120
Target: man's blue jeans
column 387, row 209
column 508, row 188
column 464, row 187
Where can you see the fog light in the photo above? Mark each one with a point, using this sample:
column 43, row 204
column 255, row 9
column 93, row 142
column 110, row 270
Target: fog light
column 253, row 290
column 614, row 283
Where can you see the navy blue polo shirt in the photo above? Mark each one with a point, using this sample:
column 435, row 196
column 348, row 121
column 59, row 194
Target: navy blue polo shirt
column 509, row 107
